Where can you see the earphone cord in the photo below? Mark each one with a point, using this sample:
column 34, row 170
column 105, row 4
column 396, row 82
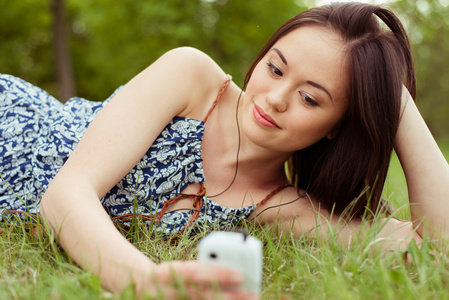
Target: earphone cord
column 279, row 205
column 237, row 165
column 270, row 207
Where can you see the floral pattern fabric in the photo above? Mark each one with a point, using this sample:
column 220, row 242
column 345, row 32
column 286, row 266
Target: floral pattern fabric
column 38, row 134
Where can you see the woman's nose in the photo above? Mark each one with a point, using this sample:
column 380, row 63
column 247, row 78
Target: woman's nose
column 277, row 100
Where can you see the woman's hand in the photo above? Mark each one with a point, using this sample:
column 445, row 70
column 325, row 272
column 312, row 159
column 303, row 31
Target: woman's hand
column 192, row 280
column 395, row 234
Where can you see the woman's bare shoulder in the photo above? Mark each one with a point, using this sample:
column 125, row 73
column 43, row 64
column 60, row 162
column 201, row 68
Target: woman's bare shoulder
column 196, row 61
column 202, row 75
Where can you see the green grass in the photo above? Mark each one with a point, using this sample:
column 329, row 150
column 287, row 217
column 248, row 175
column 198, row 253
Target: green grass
column 36, row 268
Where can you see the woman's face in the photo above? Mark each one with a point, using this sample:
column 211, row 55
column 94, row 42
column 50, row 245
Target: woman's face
column 297, row 92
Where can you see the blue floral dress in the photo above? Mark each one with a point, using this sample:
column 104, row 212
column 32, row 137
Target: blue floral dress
column 38, row 134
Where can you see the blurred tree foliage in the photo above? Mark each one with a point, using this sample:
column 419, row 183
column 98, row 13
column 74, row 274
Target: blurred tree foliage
column 26, row 41
column 112, row 40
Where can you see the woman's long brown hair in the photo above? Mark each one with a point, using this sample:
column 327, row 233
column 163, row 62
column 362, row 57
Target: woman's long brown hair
column 349, row 171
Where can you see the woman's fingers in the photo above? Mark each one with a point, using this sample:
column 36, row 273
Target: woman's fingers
column 201, row 273
column 196, row 280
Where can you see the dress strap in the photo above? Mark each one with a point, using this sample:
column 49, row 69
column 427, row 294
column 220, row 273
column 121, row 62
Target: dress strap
column 220, row 93
column 274, row 192
column 197, row 204
column 198, row 200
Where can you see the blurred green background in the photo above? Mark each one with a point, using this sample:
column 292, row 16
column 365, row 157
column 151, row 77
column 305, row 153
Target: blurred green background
column 88, row 48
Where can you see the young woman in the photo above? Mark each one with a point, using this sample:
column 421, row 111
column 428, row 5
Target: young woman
column 185, row 147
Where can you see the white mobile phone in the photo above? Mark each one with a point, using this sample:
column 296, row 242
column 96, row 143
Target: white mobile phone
column 237, row 251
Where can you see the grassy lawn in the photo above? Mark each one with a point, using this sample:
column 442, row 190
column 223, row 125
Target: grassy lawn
column 36, row 268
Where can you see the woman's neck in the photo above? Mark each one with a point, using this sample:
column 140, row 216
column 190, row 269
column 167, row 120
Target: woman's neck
column 226, row 148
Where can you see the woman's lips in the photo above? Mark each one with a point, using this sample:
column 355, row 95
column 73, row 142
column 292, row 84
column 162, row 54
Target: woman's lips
column 263, row 118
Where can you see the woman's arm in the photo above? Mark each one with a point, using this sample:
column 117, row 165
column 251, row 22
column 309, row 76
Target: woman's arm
column 112, row 145
column 426, row 172
column 305, row 216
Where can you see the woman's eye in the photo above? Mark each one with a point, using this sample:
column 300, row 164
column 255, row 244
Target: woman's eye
column 308, row 100
column 273, row 69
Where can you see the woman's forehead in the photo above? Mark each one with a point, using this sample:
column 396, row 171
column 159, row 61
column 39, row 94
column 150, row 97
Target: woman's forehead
column 314, row 33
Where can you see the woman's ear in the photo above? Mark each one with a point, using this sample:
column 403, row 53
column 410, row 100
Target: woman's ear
column 333, row 133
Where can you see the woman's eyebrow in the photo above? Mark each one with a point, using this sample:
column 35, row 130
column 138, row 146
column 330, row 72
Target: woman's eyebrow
column 314, row 84
column 280, row 55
